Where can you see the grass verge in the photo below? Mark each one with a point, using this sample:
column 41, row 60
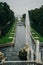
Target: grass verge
column 36, row 35
column 10, row 33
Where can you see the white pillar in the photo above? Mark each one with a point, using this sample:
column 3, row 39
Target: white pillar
column 31, row 55
column 38, row 55
column 28, row 55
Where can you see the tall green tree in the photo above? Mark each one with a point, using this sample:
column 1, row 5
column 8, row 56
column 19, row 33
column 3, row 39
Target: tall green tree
column 36, row 19
column 23, row 17
column 6, row 16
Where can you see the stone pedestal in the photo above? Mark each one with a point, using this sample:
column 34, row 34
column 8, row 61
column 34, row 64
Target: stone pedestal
column 38, row 53
column 31, row 55
column 28, row 55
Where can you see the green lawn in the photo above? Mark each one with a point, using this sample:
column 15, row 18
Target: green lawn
column 35, row 34
column 10, row 33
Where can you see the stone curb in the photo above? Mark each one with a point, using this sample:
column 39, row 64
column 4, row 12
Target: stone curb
column 9, row 43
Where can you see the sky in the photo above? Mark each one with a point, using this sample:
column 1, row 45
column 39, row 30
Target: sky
column 22, row 6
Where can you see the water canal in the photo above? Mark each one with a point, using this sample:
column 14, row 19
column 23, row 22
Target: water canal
column 11, row 52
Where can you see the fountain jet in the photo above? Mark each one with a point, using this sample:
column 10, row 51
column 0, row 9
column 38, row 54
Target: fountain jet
column 28, row 36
